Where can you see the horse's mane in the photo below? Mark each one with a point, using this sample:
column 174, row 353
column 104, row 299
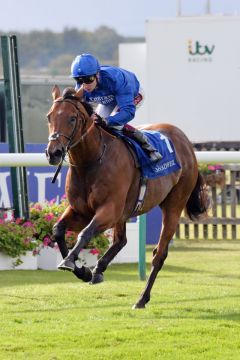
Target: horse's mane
column 69, row 93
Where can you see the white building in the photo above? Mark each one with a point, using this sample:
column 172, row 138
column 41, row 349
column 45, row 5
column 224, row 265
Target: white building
column 190, row 69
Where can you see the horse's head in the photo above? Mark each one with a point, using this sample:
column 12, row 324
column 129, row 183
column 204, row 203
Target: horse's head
column 67, row 123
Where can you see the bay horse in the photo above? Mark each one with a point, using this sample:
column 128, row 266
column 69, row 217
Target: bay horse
column 102, row 186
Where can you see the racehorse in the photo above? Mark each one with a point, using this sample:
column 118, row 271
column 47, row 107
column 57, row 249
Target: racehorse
column 102, row 186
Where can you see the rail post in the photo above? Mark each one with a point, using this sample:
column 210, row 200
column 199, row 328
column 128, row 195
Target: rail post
column 2, row 112
column 142, row 246
column 14, row 122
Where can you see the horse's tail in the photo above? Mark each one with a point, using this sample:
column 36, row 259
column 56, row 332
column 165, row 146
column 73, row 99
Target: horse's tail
column 199, row 201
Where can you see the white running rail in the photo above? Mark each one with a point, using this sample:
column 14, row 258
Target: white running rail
column 39, row 159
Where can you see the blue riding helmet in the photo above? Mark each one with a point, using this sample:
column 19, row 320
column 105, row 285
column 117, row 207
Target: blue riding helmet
column 84, row 65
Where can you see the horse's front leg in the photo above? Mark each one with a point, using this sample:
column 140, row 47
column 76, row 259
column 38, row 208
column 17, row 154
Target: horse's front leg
column 102, row 221
column 119, row 241
column 68, row 220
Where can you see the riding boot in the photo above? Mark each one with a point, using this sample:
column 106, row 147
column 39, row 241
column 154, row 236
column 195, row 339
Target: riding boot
column 142, row 139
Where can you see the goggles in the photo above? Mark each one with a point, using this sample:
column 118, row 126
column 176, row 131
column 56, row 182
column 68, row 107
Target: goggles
column 85, row 79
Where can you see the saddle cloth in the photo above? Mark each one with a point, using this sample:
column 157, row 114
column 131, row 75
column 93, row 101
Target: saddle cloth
column 165, row 166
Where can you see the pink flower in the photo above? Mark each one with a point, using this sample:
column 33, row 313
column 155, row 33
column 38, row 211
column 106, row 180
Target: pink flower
column 46, row 241
column 211, row 167
column 94, row 251
column 18, row 221
column 49, row 217
column 27, row 241
column 69, row 233
column 215, row 167
column 53, row 201
column 1, row 221
column 64, row 197
column 35, row 252
column 28, row 224
column 37, row 206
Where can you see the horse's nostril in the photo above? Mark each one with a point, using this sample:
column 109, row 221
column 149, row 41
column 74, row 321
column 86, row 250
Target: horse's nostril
column 58, row 153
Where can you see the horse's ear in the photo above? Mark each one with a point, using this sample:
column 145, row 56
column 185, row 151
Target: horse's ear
column 55, row 92
column 79, row 93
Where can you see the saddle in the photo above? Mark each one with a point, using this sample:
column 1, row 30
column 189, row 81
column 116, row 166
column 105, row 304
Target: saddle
column 158, row 140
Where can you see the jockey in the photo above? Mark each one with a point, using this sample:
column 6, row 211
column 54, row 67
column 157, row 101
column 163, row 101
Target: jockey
column 117, row 93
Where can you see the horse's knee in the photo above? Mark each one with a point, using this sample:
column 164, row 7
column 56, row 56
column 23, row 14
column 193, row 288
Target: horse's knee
column 58, row 230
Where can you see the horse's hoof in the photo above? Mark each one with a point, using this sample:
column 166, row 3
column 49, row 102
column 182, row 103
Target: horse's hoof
column 87, row 276
column 66, row 265
column 83, row 273
column 96, row 278
column 138, row 305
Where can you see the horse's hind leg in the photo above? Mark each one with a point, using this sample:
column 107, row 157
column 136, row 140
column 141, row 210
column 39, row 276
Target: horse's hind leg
column 119, row 241
column 171, row 216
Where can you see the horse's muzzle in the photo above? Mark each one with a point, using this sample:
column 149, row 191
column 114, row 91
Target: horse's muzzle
column 54, row 157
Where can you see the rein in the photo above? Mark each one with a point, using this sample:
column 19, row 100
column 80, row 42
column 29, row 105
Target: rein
column 70, row 144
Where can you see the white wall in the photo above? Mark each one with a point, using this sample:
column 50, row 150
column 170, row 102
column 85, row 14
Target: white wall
column 198, row 93
column 132, row 57
column 130, row 252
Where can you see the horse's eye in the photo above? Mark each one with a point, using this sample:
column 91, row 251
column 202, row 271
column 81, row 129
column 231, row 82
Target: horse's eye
column 72, row 120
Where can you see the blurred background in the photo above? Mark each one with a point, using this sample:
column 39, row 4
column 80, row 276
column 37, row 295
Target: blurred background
column 51, row 34
column 186, row 54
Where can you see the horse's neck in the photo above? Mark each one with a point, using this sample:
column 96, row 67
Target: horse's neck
column 89, row 150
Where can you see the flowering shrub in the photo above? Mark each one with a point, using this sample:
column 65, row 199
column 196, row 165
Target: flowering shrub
column 46, row 215
column 17, row 237
column 99, row 244
column 210, row 168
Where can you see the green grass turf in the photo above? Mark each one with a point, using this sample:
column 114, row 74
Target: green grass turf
column 194, row 312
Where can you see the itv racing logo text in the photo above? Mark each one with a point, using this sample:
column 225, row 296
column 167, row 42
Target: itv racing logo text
column 200, row 52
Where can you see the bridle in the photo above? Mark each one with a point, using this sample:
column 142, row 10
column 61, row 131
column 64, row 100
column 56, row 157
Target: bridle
column 56, row 135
